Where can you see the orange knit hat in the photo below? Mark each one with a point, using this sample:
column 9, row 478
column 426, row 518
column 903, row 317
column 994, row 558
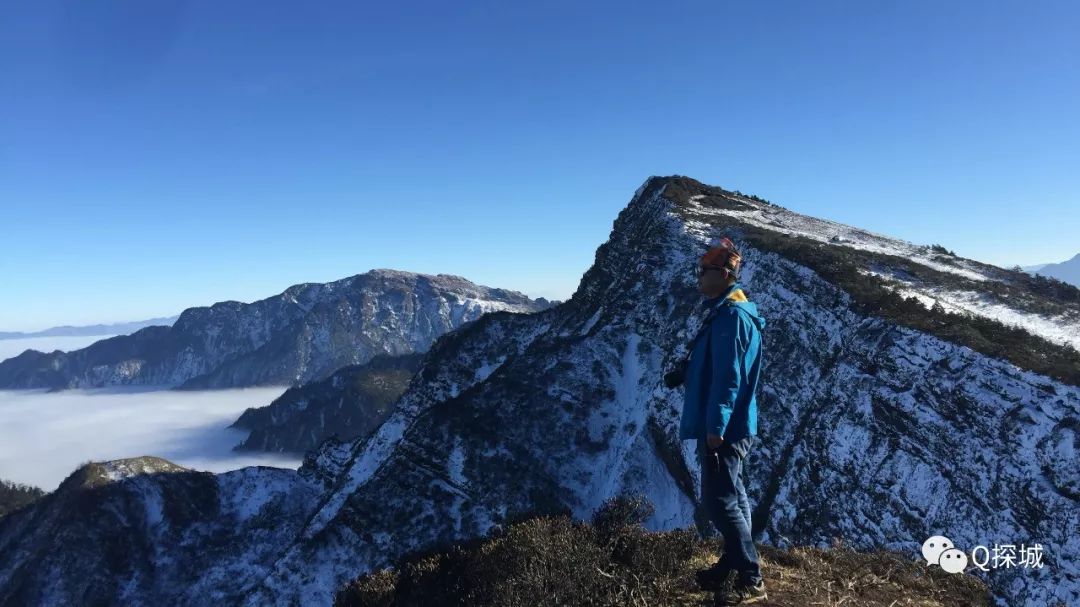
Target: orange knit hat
column 723, row 255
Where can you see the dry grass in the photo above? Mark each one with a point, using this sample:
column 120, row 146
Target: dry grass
column 552, row 560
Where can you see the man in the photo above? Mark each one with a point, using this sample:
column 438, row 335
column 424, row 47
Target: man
column 720, row 411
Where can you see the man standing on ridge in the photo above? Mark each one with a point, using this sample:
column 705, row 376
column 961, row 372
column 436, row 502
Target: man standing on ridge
column 720, row 411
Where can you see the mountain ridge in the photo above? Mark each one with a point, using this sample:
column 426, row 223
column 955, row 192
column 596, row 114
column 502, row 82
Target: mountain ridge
column 1067, row 271
column 871, row 431
column 91, row 330
column 305, row 332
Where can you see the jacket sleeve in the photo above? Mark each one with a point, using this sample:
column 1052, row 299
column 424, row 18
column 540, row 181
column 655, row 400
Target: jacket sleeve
column 725, row 354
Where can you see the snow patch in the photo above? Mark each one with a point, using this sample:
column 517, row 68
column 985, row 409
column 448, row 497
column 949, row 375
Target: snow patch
column 782, row 220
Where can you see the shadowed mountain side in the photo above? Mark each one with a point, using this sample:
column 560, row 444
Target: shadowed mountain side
column 349, row 404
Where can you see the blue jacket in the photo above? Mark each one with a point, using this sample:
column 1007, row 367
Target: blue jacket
column 724, row 370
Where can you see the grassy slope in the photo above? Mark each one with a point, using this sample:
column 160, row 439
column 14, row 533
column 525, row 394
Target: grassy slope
column 552, row 560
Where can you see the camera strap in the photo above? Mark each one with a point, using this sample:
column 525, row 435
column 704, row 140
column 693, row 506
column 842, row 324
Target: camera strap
column 709, row 320
column 724, row 301
column 704, row 326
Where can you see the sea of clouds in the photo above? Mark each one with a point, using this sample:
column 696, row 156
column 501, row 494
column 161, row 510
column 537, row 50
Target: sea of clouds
column 45, row 436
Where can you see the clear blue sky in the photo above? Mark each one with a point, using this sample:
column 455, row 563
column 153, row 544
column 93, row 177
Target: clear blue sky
column 160, row 155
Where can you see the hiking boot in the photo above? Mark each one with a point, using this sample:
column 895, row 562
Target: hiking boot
column 715, row 578
column 742, row 594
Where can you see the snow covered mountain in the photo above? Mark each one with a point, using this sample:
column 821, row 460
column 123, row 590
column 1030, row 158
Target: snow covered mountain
column 305, row 333
column 349, row 404
column 1068, row 271
column 883, row 422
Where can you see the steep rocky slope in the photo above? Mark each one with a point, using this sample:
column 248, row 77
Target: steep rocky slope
column 876, row 428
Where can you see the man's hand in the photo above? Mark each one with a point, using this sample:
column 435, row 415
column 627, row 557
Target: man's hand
column 714, row 441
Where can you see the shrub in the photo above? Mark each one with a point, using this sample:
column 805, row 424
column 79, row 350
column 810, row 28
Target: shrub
column 16, row 495
column 544, row 560
column 553, row 560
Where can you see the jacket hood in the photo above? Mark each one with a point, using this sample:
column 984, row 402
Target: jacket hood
column 751, row 310
column 739, row 300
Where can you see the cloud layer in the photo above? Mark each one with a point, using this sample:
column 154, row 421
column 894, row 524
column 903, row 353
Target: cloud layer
column 44, row 437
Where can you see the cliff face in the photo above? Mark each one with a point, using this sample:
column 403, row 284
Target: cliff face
column 305, row 333
column 872, row 430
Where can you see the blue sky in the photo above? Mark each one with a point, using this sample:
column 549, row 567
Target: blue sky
column 160, row 155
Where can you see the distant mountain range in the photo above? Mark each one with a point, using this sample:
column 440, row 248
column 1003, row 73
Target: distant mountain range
column 120, row 328
column 1068, row 271
column 304, row 333
column 907, row 392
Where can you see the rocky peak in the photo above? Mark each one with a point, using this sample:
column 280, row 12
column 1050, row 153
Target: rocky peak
column 877, row 426
column 94, row 474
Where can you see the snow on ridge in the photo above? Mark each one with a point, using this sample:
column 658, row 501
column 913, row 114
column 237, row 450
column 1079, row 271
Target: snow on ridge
column 592, row 478
column 592, row 321
column 120, row 469
column 455, row 464
column 493, row 305
column 1064, row 330
column 374, row 451
column 248, row 490
column 1060, row 330
column 487, row 368
column 823, row 230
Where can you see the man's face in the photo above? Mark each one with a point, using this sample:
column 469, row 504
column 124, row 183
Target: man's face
column 712, row 282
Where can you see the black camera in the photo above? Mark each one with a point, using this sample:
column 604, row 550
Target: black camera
column 675, row 378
